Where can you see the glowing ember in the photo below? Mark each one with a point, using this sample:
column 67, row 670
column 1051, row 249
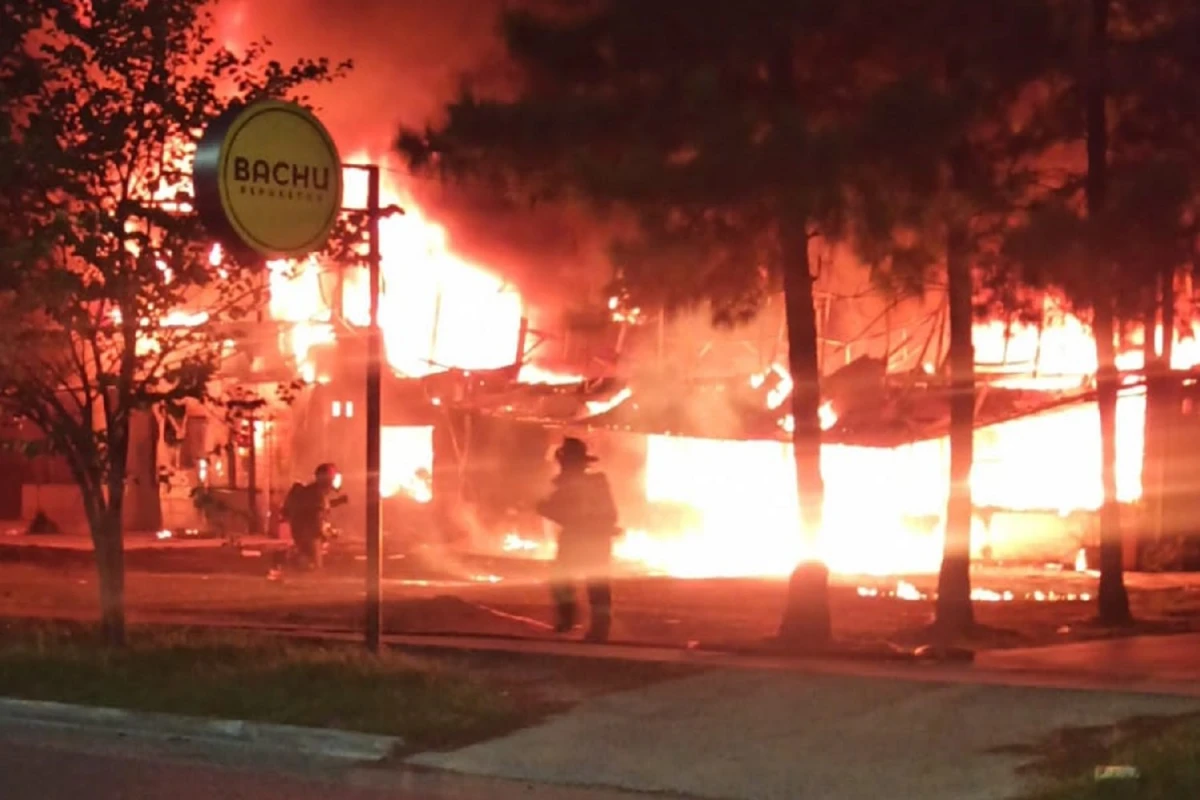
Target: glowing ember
column 828, row 417
column 632, row 316
column 781, row 387
column 597, row 407
column 184, row 319
column 533, row 374
column 907, row 591
column 513, row 543
column 980, row 594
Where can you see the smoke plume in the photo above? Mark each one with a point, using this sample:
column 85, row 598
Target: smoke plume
column 410, row 58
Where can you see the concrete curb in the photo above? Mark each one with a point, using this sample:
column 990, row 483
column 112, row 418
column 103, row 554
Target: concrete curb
column 436, row 784
column 346, row 745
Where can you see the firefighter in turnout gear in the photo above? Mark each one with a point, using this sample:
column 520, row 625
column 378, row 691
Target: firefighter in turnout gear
column 306, row 510
column 583, row 508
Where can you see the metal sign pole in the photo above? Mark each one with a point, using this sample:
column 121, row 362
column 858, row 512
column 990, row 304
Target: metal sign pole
column 374, row 577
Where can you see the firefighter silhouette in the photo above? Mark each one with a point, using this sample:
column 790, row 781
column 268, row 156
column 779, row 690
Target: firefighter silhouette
column 582, row 505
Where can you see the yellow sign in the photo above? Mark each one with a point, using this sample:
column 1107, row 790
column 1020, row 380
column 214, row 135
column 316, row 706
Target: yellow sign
column 268, row 178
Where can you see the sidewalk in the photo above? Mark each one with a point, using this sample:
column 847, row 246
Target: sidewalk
column 754, row 735
column 1152, row 665
column 1133, row 660
column 774, row 728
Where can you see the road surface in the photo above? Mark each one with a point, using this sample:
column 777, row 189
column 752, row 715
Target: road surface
column 35, row 765
column 40, row 763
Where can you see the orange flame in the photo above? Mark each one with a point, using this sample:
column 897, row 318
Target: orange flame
column 407, row 461
column 436, row 309
column 439, row 310
column 883, row 507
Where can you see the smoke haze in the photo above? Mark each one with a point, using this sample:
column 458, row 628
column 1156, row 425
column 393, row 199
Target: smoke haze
column 409, row 55
column 410, row 58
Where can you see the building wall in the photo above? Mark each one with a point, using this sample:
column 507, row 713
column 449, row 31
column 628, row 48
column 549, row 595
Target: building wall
column 63, row 503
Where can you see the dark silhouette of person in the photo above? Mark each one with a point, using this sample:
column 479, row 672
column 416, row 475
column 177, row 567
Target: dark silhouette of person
column 307, row 511
column 582, row 505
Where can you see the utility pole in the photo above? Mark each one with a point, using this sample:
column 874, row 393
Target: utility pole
column 374, row 606
column 374, row 417
column 252, row 476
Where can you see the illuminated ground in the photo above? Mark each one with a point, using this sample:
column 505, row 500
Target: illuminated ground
column 650, row 610
column 735, row 734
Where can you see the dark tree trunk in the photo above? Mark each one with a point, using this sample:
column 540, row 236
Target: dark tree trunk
column 255, row 522
column 1153, row 439
column 1168, row 316
column 806, row 394
column 953, row 612
column 110, row 568
column 806, row 618
column 1113, row 599
column 108, row 523
column 953, row 609
column 143, row 503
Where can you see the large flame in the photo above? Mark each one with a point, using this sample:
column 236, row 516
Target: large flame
column 1061, row 353
column 884, row 507
column 407, row 463
column 436, row 310
column 734, row 502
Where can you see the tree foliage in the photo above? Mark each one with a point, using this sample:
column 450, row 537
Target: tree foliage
column 721, row 128
column 1153, row 133
column 1119, row 221
column 936, row 137
column 111, row 303
column 675, row 112
column 946, row 145
column 736, row 132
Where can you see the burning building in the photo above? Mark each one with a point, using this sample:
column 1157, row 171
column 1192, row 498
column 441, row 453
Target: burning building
column 482, row 384
column 486, row 374
column 701, row 462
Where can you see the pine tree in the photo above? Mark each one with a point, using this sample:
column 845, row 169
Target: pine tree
column 722, row 128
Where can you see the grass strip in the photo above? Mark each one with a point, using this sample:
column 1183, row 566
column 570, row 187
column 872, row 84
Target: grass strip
column 430, row 704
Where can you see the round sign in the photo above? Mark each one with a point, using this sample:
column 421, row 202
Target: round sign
column 268, row 178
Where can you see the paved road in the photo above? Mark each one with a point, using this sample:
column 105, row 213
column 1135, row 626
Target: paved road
column 39, row 763
column 51, row 768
